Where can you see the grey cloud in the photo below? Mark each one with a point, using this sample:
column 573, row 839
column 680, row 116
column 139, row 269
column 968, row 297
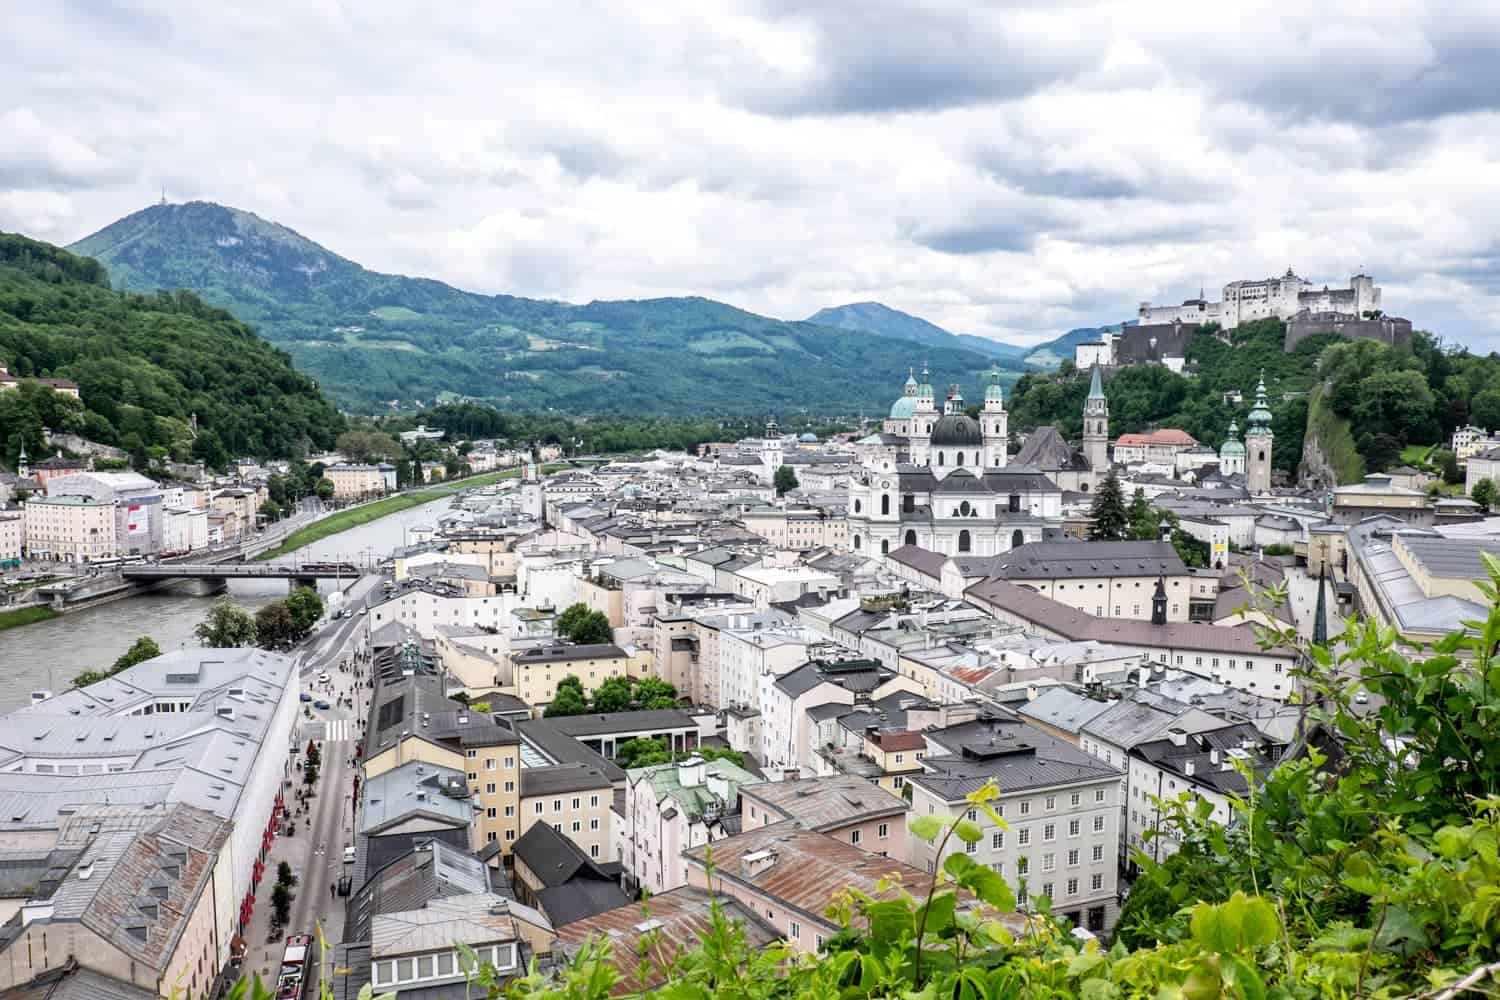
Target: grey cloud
column 1012, row 235
column 890, row 56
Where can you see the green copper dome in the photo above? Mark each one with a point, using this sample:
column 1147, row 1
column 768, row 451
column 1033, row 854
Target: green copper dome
column 1232, row 445
column 902, row 408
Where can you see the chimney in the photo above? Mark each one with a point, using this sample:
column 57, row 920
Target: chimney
column 757, row 862
column 791, row 773
column 691, row 772
column 1213, row 757
column 1187, row 768
column 1177, row 736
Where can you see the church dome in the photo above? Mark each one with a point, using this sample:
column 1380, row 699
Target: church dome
column 957, row 429
column 902, row 408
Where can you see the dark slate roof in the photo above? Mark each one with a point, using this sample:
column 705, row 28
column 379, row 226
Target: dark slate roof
column 70, row 982
column 654, row 720
column 1046, row 449
column 554, row 858
column 560, row 748
column 922, row 560
column 957, row 429
column 1013, row 479
column 1199, row 750
column 558, row 653
column 411, row 881
column 580, row 899
column 800, row 681
column 1056, row 560
column 961, row 481
column 1013, row 754
column 561, row 778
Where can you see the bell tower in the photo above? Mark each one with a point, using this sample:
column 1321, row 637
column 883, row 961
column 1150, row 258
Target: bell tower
column 994, row 422
column 1258, row 442
column 1096, row 426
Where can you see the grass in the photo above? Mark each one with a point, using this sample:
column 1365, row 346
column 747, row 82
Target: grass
column 333, row 524
column 1416, row 454
column 1335, row 439
column 25, row 616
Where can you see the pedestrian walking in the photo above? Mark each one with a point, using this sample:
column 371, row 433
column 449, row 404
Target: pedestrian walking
column 332, row 890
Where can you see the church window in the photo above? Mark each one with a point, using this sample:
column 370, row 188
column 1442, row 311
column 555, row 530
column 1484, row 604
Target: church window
column 963, row 541
column 1260, row 456
column 885, row 546
column 856, row 541
column 911, row 538
column 1015, row 503
column 885, row 503
column 940, row 458
column 959, row 459
column 1017, row 539
column 856, row 506
column 963, row 509
column 908, row 503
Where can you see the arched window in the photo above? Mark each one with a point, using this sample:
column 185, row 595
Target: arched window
column 963, row 541
column 856, row 541
column 958, row 459
column 908, row 503
column 940, row 458
column 911, row 538
column 1017, row 539
column 885, row 546
column 856, row 506
column 1260, row 456
column 885, row 504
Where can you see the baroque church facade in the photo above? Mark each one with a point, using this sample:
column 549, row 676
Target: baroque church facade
column 942, row 480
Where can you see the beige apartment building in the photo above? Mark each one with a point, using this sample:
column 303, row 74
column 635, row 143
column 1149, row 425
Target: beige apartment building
column 574, row 799
column 798, row 529
column 354, row 482
column 12, row 537
column 535, row 672
column 70, row 529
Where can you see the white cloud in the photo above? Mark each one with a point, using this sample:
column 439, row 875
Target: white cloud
column 1004, row 169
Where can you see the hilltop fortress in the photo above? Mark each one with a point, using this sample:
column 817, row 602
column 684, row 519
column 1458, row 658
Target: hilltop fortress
column 1160, row 333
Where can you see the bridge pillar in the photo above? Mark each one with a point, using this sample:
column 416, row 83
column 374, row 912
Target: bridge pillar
column 303, row 581
column 204, row 586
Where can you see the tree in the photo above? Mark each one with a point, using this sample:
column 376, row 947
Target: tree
column 324, row 488
column 567, row 701
column 270, row 510
column 786, row 480
column 1484, row 410
column 643, row 751
column 613, row 695
column 143, row 649
column 306, row 607
column 1143, row 522
column 363, row 445
column 226, row 625
column 592, row 628
column 1108, row 511
column 1448, row 462
column 1485, row 494
column 569, row 619
column 284, row 874
column 721, row 753
column 655, row 693
column 281, row 903
column 274, row 626
column 482, row 707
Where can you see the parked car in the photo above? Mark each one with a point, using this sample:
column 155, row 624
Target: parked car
column 306, row 696
column 322, row 704
column 349, row 854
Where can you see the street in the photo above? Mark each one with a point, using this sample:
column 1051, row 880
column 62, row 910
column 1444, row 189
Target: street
column 324, row 825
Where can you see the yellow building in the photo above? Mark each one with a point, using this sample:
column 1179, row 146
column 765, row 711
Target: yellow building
column 70, row 529
column 355, row 482
column 536, row 672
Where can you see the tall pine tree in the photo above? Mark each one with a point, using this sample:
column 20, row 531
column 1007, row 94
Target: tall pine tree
column 1108, row 511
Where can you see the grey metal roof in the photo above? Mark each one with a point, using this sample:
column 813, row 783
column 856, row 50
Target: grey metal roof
column 1061, row 708
column 1015, row 755
column 414, row 789
column 825, row 803
column 1053, row 560
column 560, row 778
column 611, row 723
column 1454, row 558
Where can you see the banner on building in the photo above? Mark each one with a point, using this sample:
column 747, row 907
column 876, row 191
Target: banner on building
column 136, row 522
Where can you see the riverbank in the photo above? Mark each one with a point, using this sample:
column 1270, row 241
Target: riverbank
column 333, row 524
column 26, row 616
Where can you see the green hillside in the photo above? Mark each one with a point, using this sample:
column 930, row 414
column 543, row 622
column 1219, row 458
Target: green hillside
column 159, row 374
column 883, row 321
column 375, row 338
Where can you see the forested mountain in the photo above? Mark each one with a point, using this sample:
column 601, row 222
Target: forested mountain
column 161, row 374
column 1054, row 352
column 882, row 320
column 1393, row 397
column 373, row 338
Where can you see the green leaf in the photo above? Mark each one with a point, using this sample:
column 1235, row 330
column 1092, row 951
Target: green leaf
column 968, row 831
column 928, row 828
column 1244, row 976
column 939, row 914
column 1083, row 963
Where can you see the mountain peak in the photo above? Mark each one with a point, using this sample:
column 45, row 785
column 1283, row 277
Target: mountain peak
column 883, row 321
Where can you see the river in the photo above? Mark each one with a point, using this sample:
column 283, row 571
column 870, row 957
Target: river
column 48, row 654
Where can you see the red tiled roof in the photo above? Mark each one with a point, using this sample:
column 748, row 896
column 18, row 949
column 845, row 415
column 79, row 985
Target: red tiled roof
column 903, row 739
column 1168, row 436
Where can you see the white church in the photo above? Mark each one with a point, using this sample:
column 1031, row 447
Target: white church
column 941, row 480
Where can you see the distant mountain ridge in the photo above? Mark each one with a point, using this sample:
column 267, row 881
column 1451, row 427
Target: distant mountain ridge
column 373, row 339
column 882, row 320
column 1055, row 352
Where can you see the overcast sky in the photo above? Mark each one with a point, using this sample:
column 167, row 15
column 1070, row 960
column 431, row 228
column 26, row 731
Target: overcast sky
column 1001, row 169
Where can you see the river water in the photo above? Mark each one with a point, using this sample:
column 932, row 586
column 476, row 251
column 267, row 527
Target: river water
column 48, row 654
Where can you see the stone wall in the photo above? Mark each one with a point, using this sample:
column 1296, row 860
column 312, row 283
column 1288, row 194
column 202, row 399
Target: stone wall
column 1390, row 330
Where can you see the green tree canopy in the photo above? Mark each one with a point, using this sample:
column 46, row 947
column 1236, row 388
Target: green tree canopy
column 275, row 628
column 786, row 479
column 226, row 624
column 1108, row 510
column 306, row 607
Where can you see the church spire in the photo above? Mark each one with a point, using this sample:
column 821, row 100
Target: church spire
column 1320, row 614
column 1096, row 384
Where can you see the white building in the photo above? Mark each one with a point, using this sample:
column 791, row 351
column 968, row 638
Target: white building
column 1061, row 807
column 423, row 605
column 670, row 808
column 1282, row 297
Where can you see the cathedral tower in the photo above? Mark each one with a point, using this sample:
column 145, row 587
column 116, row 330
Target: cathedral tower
column 924, row 415
column 1096, row 426
column 1258, row 441
column 994, row 421
column 770, row 451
